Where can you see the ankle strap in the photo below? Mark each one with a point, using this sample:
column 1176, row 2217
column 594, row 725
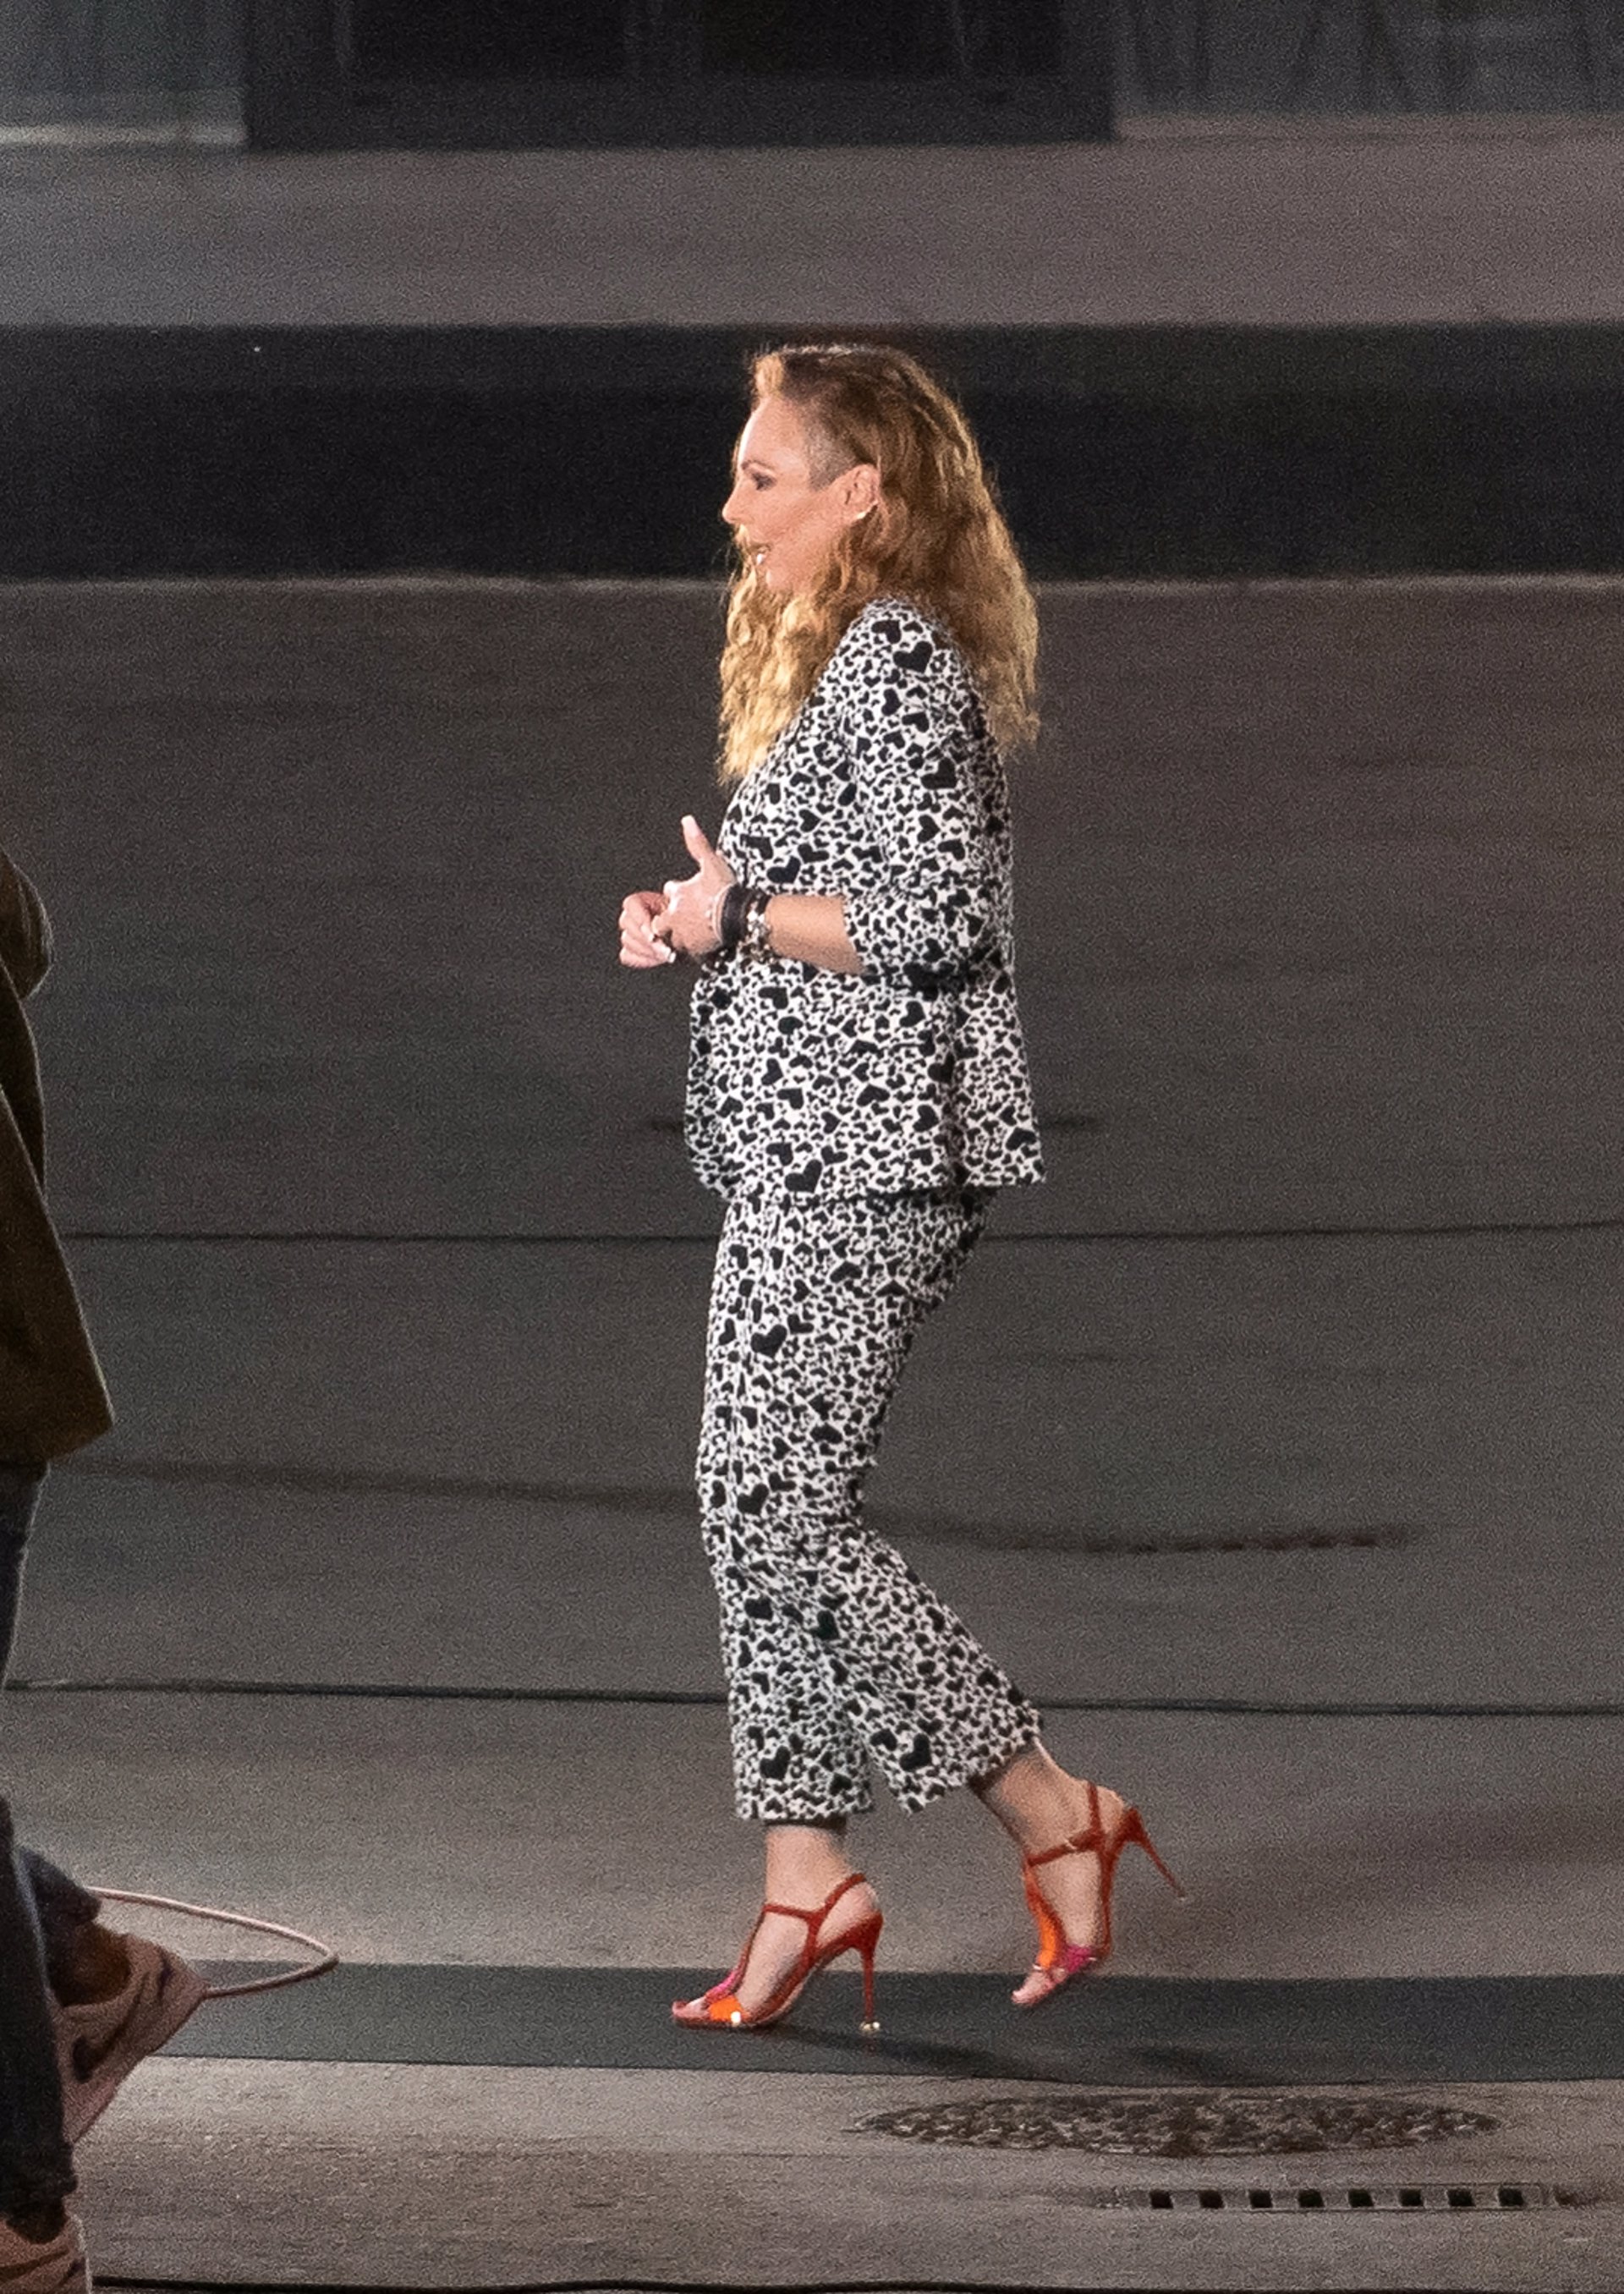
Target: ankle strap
column 814, row 1919
column 1092, row 1836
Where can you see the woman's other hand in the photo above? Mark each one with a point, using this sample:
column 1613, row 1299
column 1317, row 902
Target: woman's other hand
column 640, row 951
column 687, row 919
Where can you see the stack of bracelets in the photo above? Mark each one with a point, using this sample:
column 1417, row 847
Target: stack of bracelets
column 740, row 921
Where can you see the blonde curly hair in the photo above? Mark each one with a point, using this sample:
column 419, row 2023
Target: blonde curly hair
column 939, row 539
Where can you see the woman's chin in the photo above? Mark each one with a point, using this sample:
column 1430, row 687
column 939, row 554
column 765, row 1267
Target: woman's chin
column 774, row 574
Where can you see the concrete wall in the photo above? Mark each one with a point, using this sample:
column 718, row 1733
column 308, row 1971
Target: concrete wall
column 1321, row 897
column 1270, row 225
column 1321, row 920
column 118, row 60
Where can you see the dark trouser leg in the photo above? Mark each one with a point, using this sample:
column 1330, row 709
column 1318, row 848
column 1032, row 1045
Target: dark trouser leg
column 838, row 1655
column 35, row 2164
column 64, row 1911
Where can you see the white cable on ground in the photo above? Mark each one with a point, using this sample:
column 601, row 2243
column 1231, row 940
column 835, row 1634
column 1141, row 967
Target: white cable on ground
column 325, row 1959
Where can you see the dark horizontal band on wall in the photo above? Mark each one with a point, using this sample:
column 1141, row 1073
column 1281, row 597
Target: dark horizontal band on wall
column 1138, row 452
column 1196, row 366
column 1131, row 2032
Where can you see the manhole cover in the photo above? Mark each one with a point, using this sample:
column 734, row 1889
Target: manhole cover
column 1194, row 2126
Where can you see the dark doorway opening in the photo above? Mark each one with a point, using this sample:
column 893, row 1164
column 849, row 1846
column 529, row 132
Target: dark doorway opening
column 495, row 74
column 431, row 40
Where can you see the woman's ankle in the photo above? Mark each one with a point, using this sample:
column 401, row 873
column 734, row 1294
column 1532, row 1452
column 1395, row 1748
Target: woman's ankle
column 1038, row 1802
column 805, row 1861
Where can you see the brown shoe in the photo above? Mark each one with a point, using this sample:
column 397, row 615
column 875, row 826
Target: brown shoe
column 100, row 2043
column 56, row 2267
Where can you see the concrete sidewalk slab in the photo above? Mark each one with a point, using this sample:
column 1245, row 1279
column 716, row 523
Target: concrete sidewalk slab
column 622, row 2177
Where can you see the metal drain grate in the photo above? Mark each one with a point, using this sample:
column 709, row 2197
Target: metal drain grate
column 1413, row 2198
column 1184, row 2124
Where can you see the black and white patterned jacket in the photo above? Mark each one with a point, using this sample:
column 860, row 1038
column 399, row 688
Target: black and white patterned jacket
column 888, row 787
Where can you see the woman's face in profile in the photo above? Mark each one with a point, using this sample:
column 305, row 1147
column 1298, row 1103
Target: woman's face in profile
column 789, row 525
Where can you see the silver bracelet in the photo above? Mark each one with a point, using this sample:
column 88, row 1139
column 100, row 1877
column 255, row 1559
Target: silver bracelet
column 756, row 938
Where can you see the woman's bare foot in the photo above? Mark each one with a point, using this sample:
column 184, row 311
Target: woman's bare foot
column 777, row 1949
column 1041, row 1806
column 805, row 1865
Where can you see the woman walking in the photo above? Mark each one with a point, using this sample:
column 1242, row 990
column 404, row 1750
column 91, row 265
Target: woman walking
column 857, row 1087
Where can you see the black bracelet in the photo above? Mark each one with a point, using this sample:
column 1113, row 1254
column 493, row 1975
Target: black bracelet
column 735, row 909
column 731, row 911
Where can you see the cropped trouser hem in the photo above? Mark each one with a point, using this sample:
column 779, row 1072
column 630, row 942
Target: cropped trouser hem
column 840, row 1661
column 766, row 1807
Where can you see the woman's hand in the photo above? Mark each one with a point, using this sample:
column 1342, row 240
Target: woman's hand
column 685, row 921
column 640, row 951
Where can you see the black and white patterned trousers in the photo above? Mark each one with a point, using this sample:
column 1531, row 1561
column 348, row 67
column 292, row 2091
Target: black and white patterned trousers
column 837, row 1655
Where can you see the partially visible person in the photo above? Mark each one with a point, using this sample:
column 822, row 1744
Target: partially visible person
column 79, row 2005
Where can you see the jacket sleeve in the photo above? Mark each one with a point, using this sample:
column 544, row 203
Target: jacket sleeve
column 25, row 930
column 915, row 732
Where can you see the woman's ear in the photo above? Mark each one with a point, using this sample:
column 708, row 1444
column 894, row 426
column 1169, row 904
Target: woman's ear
column 861, row 493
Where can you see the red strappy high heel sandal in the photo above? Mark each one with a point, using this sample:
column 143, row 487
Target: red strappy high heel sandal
column 1057, row 1959
column 718, row 2008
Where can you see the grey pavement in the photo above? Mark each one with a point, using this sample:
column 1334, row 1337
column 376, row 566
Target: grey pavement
column 1222, row 223
column 442, row 2179
column 401, row 1282
column 418, row 1834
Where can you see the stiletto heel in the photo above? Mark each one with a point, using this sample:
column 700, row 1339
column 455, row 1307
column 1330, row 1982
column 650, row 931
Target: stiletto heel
column 1057, row 1958
column 1132, row 1829
column 870, row 2021
column 719, row 2009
